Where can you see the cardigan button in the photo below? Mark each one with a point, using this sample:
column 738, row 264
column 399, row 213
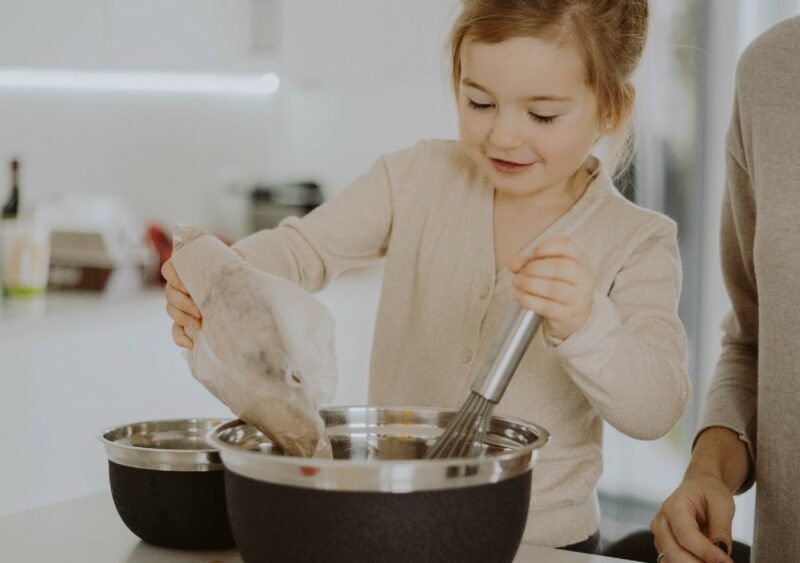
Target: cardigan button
column 466, row 355
column 484, row 292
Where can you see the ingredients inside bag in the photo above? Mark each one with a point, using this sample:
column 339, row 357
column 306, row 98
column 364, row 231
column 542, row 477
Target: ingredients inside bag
column 266, row 347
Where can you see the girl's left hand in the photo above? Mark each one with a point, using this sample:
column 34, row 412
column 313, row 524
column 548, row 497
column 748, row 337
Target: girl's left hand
column 556, row 282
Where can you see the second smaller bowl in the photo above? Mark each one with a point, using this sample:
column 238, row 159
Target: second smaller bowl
column 167, row 482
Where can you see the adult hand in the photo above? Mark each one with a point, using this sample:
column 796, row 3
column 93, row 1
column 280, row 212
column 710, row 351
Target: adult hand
column 180, row 307
column 555, row 281
column 694, row 523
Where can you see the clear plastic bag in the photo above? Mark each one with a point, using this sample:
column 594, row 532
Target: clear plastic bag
column 266, row 348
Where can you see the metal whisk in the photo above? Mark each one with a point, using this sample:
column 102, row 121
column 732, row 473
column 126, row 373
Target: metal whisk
column 464, row 434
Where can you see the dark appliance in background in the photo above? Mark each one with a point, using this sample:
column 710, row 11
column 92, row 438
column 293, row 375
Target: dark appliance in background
column 270, row 204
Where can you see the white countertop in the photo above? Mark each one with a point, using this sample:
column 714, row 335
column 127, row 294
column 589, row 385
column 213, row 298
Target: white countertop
column 84, row 362
column 88, row 529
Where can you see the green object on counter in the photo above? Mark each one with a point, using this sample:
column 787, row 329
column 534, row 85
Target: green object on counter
column 13, row 292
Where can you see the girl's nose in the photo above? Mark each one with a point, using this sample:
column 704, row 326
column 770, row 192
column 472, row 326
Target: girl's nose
column 506, row 132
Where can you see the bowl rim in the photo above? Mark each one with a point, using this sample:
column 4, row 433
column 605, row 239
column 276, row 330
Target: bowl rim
column 380, row 475
column 164, row 459
column 543, row 436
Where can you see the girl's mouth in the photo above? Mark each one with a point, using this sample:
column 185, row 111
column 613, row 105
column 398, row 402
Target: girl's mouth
column 507, row 167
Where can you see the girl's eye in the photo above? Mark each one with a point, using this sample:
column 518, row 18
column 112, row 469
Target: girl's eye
column 543, row 118
column 536, row 117
column 480, row 107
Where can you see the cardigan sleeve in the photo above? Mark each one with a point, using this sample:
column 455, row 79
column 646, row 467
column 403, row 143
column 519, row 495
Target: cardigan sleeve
column 349, row 231
column 629, row 357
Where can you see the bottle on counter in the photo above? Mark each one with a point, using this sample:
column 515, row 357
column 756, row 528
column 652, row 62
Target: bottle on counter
column 11, row 207
column 9, row 212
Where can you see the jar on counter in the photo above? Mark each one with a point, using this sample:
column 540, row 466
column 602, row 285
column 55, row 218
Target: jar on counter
column 271, row 204
column 26, row 257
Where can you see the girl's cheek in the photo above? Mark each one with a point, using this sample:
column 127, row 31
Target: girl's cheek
column 473, row 142
column 561, row 147
column 470, row 128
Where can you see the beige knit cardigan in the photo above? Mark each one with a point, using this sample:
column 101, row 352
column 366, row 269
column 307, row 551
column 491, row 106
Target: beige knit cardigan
column 428, row 212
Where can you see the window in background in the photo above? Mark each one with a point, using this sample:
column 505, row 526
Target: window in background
column 667, row 176
column 685, row 91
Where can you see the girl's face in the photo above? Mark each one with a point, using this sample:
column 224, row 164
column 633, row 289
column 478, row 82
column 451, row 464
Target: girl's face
column 527, row 118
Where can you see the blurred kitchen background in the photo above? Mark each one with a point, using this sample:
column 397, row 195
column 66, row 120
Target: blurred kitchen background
column 128, row 116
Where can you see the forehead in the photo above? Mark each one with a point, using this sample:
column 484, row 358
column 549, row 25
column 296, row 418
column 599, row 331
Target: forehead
column 525, row 66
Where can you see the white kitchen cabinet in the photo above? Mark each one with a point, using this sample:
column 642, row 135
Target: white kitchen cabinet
column 165, row 35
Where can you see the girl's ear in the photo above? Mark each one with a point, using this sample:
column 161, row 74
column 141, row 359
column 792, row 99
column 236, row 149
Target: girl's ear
column 607, row 125
column 612, row 119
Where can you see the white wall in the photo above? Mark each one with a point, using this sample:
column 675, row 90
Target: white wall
column 358, row 79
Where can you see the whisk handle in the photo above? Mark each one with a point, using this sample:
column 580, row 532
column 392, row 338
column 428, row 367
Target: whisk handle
column 506, row 353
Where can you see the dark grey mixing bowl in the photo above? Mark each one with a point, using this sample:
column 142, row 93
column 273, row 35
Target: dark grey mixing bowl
column 379, row 500
column 167, row 482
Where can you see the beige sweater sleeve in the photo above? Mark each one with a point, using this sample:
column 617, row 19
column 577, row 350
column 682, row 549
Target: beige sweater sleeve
column 732, row 395
column 628, row 359
column 349, row 231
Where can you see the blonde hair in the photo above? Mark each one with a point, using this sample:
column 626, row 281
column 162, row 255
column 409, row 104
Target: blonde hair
column 610, row 35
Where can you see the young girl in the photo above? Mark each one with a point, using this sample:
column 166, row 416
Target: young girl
column 518, row 209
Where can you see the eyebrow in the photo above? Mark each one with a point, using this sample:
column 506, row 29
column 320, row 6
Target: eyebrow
column 468, row 82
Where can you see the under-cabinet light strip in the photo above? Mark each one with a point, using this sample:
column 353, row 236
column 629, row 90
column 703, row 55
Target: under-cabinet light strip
column 237, row 84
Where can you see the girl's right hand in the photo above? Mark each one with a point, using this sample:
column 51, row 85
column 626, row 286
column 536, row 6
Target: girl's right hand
column 180, row 306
